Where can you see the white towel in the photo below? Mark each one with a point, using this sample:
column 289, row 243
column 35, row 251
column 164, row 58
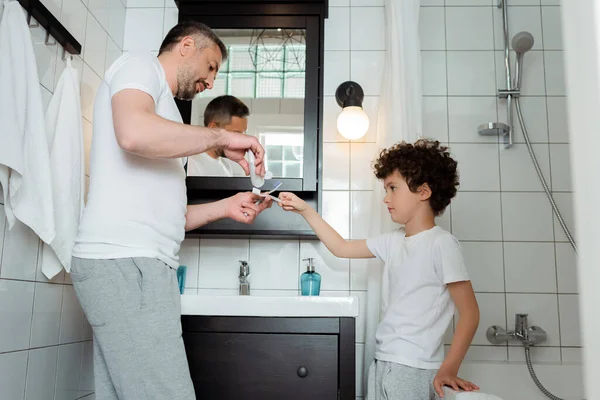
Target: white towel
column 65, row 140
column 24, row 159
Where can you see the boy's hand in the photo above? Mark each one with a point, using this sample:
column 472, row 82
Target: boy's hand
column 291, row 202
column 444, row 378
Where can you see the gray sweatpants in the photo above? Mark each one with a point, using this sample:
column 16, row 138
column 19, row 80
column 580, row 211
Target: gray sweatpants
column 392, row 381
column 134, row 307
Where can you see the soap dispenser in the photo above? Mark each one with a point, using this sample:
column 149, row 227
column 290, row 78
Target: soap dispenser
column 310, row 281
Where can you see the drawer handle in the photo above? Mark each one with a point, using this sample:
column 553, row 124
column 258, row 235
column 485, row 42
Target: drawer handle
column 302, row 372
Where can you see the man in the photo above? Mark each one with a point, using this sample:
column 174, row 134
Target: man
column 125, row 254
column 226, row 112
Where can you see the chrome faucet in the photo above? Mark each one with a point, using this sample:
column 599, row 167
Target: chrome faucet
column 244, row 289
column 528, row 335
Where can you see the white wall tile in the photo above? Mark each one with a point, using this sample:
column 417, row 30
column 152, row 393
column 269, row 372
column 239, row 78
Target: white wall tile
column 370, row 107
column 533, row 83
column 478, row 166
column 3, row 228
column 20, row 255
column 517, row 169
column 170, row 20
column 360, row 370
column 88, row 131
column 13, row 371
column 433, row 73
column 539, row 354
column 41, row 373
column 336, row 166
column 551, row 2
column 560, row 157
column 571, row 355
column 431, row 3
column 16, row 305
column 469, row 28
column 68, row 371
column 362, row 314
column 145, row 3
column 552, row 28
column 362, row 156
column 171, row 3
column 90, row 82
column 526, row 217
column 54, row 6
column 530, row 267
column 46, row 315
column 564, row 202
column 519, row 19
column 335, row 272
column 143, row 28
column 359, row 273
column 366, row 68
column 73, row 16
column 71, row 319
column 471, row 73
column 435, row 118
column 492, row 312
column 337, row 29
column 364, row 3
column 476, row 216
column 336, row 211
column 444, row 221
column 86, row 379
column 274, row 264
column 570, row 332
column 486, row 353
column 432, row 28
column 331, row 111
column 189, row 255
column 555, row 73
column 485, row 266
column 100, row 11
column 368, row 28
column 465, row 114
column 534, row 114
column 451, row 3
column 46, row 97
column 542, row 310
column 363, row 204
column 566, row 268
column 112, row 52
column 94, row 51
column 557, row 119
column 116, row 28
column 336, row 71
column 219, row 262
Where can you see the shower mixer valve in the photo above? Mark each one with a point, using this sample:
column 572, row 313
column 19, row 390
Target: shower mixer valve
column 528, row 335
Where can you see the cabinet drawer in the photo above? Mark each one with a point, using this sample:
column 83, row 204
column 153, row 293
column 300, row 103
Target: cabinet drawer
column 263, row 366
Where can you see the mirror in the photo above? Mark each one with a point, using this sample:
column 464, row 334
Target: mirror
column 266, row 71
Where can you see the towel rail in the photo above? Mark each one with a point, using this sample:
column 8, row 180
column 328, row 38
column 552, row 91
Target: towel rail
column 53, row 27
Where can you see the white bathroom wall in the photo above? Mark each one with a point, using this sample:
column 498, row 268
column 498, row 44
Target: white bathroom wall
column 45, row 340
column 518, row 258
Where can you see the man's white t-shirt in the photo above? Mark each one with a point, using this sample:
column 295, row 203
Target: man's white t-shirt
column 136, row 206
column 417, row 308
column 204, row 165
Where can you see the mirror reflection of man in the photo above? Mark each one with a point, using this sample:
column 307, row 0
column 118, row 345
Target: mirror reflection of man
column 225, row 112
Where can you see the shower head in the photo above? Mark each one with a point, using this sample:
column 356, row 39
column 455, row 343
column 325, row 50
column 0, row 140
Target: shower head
column 522, row 42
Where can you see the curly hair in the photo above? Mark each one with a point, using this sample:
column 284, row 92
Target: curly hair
column 425, row 161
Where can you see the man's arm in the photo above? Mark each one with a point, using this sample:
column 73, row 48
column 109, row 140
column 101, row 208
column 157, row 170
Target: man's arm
column 139, row 130
column 240, row 208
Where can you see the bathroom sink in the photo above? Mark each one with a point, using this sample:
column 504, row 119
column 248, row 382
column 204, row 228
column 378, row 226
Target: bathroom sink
column 258, row 306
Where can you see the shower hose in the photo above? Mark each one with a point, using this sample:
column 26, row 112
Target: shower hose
column 562, row 224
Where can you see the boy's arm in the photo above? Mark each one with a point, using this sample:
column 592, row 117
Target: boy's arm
column 468, row 319
column 336, row 244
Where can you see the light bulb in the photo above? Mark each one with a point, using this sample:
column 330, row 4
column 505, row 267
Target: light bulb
column 353, row 123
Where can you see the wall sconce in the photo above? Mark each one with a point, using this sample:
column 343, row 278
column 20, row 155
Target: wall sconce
column 353, row 122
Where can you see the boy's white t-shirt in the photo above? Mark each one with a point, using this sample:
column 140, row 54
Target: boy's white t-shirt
column 416, row 305
column 136, row 206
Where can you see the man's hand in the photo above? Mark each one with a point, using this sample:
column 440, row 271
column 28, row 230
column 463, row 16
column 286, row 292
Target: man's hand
column 241, row 207
column 235, row 147
column 447, row 378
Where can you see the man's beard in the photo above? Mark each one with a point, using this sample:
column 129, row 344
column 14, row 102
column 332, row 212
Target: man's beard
column 186, row 85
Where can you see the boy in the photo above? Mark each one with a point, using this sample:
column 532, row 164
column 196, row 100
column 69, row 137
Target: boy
column 424, row 277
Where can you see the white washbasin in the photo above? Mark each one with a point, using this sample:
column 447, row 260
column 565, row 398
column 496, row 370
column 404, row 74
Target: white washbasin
column 259, row 306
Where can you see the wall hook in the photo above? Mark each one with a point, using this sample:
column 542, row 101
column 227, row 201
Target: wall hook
column 47, row 41
column 64, row 55
column 35, row 25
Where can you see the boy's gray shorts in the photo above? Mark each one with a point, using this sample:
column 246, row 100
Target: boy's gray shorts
column 392, row 381
column 134, row 308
